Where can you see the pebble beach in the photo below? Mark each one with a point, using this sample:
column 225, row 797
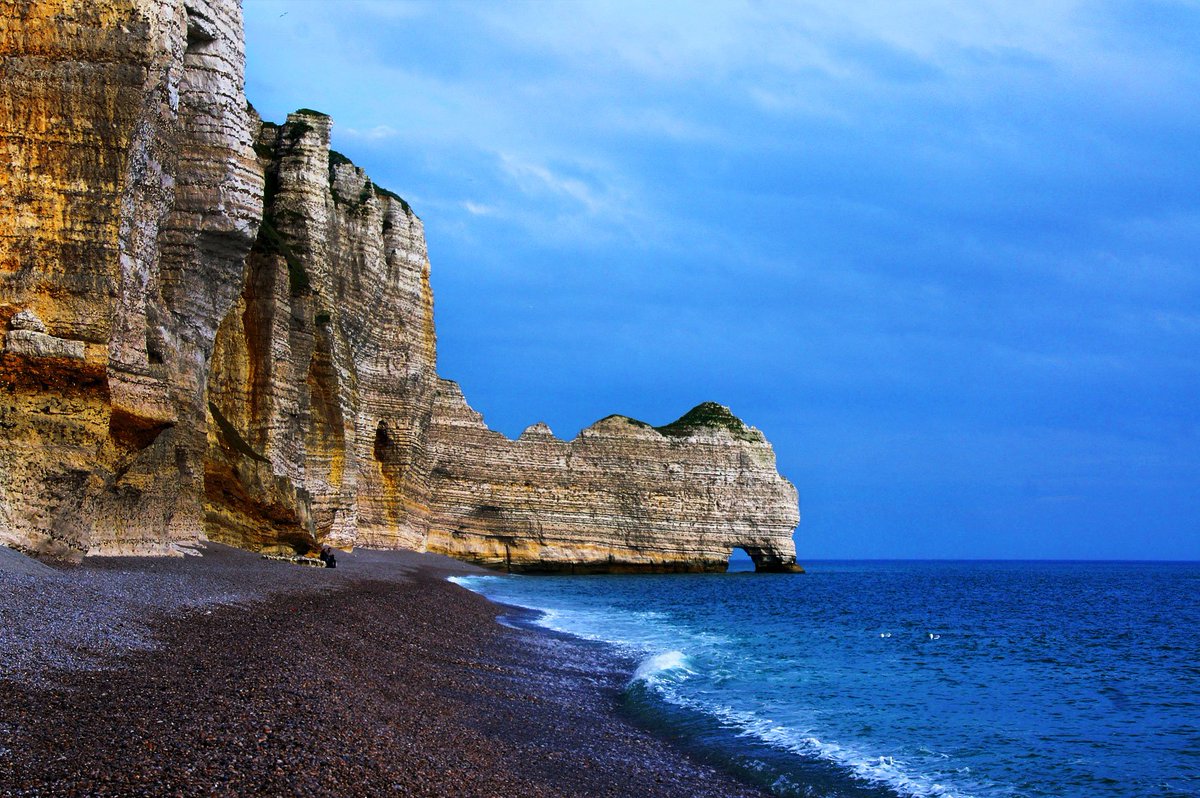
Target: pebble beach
column 228, row 674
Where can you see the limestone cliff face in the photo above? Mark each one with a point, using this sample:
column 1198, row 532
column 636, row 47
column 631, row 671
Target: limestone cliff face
column 126, row 211
column 218, row 327
column 330, row 423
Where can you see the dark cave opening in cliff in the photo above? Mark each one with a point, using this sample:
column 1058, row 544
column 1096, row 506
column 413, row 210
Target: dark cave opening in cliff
column 383, row 443
column 739, row 561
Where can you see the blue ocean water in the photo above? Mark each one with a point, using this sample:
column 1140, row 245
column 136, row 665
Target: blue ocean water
column 909, row 678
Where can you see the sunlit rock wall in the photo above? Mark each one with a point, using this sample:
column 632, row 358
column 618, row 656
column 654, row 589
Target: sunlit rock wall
column 330, row 424
column 217, row 326
column 130, row 199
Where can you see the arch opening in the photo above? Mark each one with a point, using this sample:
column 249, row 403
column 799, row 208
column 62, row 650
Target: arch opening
column 740, row 561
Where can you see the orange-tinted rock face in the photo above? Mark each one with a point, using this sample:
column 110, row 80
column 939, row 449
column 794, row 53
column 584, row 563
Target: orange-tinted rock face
column 130, row 203
column 171, row 368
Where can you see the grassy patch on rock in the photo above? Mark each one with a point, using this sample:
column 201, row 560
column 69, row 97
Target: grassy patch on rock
column 380, row 191
column 627, row 420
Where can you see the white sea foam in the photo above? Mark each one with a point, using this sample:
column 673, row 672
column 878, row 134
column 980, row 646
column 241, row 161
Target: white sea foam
column 883, row 770
column 652, row 669
column 667, row 671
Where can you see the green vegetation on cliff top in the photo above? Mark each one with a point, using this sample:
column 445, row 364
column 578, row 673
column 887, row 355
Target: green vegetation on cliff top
column 270, row 241
column 338, row 159
column 296, row 131
column 627, row 420
column 704, row 416
column 383, row 192
column 707, row 415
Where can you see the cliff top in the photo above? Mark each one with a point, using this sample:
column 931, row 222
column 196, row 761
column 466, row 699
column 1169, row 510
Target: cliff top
column 626, row 419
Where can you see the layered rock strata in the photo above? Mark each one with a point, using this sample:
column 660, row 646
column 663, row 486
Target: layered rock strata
column 217, row 327
column 323, row 379
column 130, row 200
column 622, row 496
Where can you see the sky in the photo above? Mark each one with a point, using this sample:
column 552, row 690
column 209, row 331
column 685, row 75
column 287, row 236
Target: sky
column 944, row 255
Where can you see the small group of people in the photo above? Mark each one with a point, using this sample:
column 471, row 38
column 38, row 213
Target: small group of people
column 328, row 557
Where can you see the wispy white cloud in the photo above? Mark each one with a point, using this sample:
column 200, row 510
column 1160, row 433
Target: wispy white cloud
column 478, row 209
column 376, row 133
column 717, row 41
column 537, row 179
column 658, row 123
column 555, row 86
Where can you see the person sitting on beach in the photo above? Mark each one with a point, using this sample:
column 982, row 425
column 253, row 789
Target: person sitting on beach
column 327, row 557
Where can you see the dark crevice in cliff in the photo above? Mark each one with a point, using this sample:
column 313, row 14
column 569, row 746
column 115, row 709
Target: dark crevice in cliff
column 231, row 437
column 384, row 449
column 269, row 145
column 133, row 431
column 270, row 242
column 325, row 439
column 201, row 30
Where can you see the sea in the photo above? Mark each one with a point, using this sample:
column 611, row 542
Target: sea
column 908, row 678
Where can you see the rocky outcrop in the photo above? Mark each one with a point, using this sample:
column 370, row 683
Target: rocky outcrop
column 622, row 496
column 127, row 209
column 323, row 379
column 218, row 327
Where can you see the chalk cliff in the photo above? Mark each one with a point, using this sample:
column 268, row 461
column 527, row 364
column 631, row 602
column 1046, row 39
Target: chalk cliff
column 216, row 327
column 129, row 202
column 322, row 382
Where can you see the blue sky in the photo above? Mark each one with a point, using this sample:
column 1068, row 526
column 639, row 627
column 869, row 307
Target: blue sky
column 943, row 254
